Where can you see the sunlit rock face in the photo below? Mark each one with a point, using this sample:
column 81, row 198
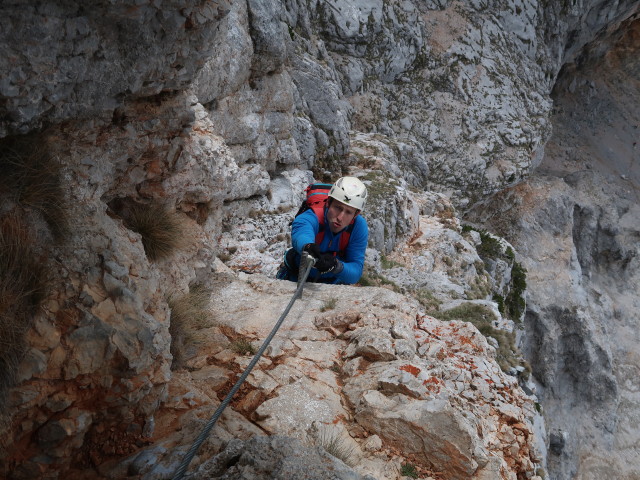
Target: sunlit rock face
column 386, row 382
column 576, row 223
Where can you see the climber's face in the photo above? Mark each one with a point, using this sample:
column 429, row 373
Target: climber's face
column 339, row 215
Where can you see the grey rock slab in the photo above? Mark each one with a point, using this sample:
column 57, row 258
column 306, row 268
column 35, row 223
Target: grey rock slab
column 96, row 64
column 322, row 353
column 275, row 458
column 455, row 448
column 374, row 345
column 297, row 406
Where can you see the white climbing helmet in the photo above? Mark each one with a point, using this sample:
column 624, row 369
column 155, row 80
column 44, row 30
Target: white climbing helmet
column 350, row 191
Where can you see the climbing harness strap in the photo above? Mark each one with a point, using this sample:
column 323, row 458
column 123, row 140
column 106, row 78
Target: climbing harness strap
column 212, row 421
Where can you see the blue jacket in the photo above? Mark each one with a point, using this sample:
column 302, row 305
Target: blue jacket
column 304, row 229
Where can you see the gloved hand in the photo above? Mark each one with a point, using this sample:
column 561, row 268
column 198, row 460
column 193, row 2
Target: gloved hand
column 326, row 263
column 313, row 249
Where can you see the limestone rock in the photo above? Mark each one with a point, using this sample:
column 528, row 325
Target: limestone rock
column 451, row 386
column 217, row 112
column 574, row 224
column 96, row 65
column 277, row 458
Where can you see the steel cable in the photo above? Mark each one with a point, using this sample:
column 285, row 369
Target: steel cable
column 212, row 421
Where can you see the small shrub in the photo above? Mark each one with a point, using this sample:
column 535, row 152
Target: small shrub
column 510, row 254
column 242, row 346
column 515, row 304
column 519, row 277
column 428, row 301
column 23, row 284
column 224, row 257
column 469, row 312
column 189, row 313
column 409, row 470
column 31, row 176
column 161, row 229
column 329, row 305
column 256, row 213
column 499, row 299
column 490, row 246
column 386, row 263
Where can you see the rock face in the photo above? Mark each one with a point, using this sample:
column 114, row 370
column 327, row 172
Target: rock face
column 278, row 458
column 89, row 65
column 213, row 116
column 577, row 226
column 445, row 83
column 372, row 380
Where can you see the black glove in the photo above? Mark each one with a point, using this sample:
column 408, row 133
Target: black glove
column 313, row 249
column 326, row 263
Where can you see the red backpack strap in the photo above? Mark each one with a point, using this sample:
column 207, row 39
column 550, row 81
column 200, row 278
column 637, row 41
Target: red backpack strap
column 317, row 195
column 318, row 209
column 345, row 235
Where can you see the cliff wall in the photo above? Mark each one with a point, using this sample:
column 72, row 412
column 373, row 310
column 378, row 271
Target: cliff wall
column 577, row 227
column 213, row 116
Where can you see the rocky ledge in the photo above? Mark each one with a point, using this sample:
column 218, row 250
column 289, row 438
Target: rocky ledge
column 364, row 373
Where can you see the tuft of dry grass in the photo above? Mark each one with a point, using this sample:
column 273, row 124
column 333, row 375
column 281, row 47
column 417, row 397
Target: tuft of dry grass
column 242, row 346
column 23, row 283
column 189, row 314
column 428, row 300
column 469, row 312
column 329, row 304
column 332, row 442
column 32, row 178
column 161, row 229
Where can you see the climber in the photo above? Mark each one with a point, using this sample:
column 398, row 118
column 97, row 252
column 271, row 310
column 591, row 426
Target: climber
column 339, row 250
